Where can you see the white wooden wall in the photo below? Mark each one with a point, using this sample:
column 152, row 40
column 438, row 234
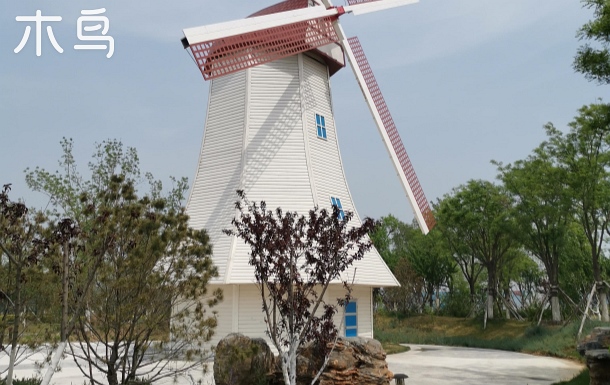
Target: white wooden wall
column 261, row 136
column 241, row 311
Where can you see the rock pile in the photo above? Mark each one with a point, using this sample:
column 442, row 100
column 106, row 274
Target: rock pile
column 354, row 361
column 595, row 348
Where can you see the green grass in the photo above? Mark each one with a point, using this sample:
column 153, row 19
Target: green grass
column 511, row 335
column 554, row 341
column 580, row 379
column 392, row 348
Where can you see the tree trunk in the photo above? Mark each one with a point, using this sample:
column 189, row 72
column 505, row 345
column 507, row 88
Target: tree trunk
column 472, row 298
column 491, row 291
column 555, row 309
column 54, row 363
column 64, row 295
column 506, row 302
column 15, row 331
column 293, row 365
column 112, row 374
column 490, row 305
column 603, row 299
column 601, row 289
column 437, row 299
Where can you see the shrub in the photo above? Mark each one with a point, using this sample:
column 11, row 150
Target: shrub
column 23, row 381
column 457, row 302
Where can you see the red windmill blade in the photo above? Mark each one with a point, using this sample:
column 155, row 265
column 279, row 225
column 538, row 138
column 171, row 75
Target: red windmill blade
column 389, row 134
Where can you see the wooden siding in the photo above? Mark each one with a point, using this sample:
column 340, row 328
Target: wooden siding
column 224, row 313
column 261, row 136
column 251, row 320
column 362, row 294
column 275, row 168
column 211, row 201
column 328, row 171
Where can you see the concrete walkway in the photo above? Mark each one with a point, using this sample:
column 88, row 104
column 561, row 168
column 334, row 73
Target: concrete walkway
column 424, row 364
column 432, row 365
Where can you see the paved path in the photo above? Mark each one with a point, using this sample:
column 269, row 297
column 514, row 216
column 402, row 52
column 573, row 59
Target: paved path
column 432, row 365
column 424, row 364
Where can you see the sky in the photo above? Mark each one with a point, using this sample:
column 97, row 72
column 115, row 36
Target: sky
column 466, row 81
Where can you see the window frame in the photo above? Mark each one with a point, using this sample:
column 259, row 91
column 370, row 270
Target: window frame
column 351, row 326
column 321, row 126
column 336, row 201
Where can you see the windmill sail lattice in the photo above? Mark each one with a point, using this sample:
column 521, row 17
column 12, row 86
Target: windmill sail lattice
column 381, row 107
column 223, row 56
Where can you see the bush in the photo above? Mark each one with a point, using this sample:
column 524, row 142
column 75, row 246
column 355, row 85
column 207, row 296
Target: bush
column 23, row 381
column 457, row 302
column 534, row 331
column 137, row 381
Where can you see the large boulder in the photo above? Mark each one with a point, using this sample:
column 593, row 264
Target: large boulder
column 357, row 361
column 595, row 349
column 240, row 360
column 353, row 361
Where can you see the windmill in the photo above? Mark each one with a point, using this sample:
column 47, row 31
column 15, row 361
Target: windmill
column 270, row 131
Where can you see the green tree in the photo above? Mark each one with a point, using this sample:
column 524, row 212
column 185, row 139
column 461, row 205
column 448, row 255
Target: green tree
column 428, row 259
column 543, row 212
column 407, row 298
column 476, row 219
column 431, row 260
column 585, row 153
column 518, row 266
column 576, row 271
column 22, row 246
column 150, row 269
column 390, row 238
column 594, row 61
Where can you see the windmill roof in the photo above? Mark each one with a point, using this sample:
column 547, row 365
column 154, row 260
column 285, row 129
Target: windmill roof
column 333, row 64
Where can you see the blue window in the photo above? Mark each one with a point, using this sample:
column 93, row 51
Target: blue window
column 321, row 126
column 337, row 202
column 351, row 319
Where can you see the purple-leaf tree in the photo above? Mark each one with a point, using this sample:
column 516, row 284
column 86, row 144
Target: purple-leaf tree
column 295, row 258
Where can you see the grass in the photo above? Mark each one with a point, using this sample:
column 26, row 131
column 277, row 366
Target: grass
column 554, row 341
column 510, row 335
column 581, row 379
column 392, row 348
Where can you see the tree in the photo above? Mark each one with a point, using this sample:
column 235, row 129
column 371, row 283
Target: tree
column 543, row 212
column 475, row 218
column 407, row 298
column 390, row 238
column 150, row 269
column 594, row 62
column 429, row 265
column 585, row 154
column 22, row 246
column 576, row 272
column 431, row 260
column 518, row 265
column 295, row 258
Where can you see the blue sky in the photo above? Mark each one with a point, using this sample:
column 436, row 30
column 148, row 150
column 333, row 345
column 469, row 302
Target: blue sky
column 466, row 81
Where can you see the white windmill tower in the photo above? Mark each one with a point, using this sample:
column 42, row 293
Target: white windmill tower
column 270, row 131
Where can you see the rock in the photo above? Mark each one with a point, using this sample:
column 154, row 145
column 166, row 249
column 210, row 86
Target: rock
column 241, row 360
column 595, row 349
column 354, row 361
